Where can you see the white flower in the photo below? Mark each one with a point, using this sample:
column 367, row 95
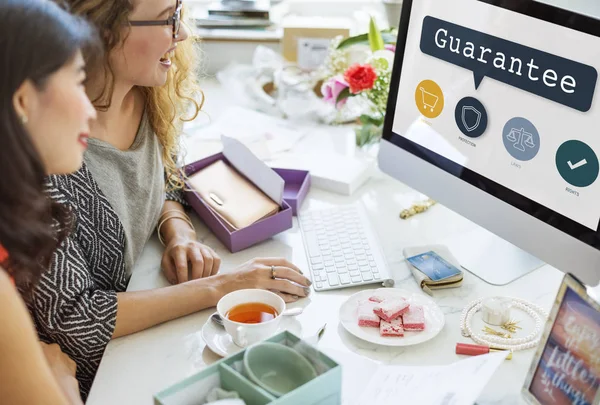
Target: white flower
column 384, row 58
column 358, row 54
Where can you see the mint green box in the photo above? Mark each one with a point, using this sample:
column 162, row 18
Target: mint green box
column 326, row 389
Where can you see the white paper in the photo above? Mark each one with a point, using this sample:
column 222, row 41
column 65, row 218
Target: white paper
column 256, row 171
column 460, row 383
column 356, row 371
column 264, row 134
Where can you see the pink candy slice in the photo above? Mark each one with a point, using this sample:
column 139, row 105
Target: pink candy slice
column 366, row 316
column 392, row 329
column 414, row 319
column 391, row 308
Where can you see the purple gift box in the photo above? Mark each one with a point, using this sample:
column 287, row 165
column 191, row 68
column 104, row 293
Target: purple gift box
column 297, row 184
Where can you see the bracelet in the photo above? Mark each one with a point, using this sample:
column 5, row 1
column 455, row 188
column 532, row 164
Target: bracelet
column 173, row 210
column 183, row 218
column 532, row 340
column 176, row 211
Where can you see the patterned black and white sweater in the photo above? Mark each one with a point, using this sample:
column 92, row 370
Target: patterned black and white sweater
column 75, row 303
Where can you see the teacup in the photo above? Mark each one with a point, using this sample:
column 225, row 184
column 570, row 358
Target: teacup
column 277, row 368
column 245, row 334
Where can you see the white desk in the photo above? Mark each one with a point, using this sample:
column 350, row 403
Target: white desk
column 137, row 366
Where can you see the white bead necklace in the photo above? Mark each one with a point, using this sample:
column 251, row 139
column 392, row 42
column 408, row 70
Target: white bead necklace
column 535, row 311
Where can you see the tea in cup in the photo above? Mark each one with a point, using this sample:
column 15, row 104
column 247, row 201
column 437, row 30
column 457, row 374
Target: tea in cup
column 252, row 312
column 250, row 316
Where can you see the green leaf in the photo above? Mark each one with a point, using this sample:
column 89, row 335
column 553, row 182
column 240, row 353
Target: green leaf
column 368, row 134
column 344, row 94
column 367, row 119
column 388, row 36
column 375, row 39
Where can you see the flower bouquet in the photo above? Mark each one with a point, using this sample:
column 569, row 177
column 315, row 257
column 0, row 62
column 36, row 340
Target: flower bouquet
column 361, row 67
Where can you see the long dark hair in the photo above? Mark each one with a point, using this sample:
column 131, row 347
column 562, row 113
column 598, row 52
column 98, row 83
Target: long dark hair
column 37, row 38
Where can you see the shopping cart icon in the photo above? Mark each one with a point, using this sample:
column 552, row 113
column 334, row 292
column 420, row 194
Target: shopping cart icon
column 430, row 100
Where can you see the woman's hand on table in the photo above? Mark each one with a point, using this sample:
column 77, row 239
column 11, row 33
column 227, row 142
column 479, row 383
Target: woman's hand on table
column 289, row 282
column 183, row 253
column 63, row 369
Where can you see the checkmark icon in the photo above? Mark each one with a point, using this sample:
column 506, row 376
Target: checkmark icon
column 578, row 164
column 572, row 166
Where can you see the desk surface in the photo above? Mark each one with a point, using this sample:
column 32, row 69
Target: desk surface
column 137, row 366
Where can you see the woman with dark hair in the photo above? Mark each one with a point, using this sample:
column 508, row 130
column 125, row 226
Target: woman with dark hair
column 44, row 122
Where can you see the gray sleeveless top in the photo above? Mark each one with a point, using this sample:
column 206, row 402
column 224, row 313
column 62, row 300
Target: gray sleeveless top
column 133, row 182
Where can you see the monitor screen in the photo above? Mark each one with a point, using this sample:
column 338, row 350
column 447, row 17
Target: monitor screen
column 502, row 94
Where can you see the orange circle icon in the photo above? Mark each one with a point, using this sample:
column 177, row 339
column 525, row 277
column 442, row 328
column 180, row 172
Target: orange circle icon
column 429, row 98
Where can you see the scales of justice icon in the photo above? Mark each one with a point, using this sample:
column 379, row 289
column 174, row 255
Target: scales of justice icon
column 521, row 139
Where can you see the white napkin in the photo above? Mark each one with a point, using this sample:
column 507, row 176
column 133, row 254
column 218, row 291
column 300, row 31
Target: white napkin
column 228, row 402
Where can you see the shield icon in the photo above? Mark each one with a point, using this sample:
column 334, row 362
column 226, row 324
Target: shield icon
column 471, row 118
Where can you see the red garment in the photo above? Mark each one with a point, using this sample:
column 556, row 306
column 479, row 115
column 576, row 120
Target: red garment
column 3, row 254
column 3, row 257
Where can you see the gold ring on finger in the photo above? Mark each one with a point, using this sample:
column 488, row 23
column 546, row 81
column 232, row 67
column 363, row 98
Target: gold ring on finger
column 273, row 272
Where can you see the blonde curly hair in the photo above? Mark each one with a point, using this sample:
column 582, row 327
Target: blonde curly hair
column 168, row 106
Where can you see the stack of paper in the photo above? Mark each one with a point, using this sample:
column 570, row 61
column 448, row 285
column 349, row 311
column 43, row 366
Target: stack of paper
column 366, row 382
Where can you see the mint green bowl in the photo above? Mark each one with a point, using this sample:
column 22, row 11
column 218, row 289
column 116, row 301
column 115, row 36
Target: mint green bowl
column 277, row 368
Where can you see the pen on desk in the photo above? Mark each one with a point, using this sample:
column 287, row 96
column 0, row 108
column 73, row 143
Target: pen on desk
column 475, row 350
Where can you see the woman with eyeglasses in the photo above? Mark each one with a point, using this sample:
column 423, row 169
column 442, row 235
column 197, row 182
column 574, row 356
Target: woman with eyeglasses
column 44, row 122
column 129, row 186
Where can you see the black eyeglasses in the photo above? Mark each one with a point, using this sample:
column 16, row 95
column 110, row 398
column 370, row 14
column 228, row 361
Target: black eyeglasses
column 174, row 20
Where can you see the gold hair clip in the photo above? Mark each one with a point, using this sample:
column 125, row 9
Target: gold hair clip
column 511, row 326
column 490, row 331
column 417, row 208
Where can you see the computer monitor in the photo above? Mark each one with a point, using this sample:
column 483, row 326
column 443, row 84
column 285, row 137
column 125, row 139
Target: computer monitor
column 492, row 112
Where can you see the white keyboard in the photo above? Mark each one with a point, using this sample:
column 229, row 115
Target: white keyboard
column 342, row 248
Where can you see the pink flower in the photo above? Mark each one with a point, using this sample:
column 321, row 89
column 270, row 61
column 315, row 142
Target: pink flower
column 332, row 88
column 390, row 47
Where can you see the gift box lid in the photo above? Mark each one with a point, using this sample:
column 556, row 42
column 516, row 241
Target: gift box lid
column 297, row 185
column 255, row 170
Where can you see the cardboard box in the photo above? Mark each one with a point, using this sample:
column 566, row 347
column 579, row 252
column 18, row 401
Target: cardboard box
column 306, row 39
column 326, row 389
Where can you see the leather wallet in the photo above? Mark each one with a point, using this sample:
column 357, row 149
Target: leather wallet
column 424, row 281
column 238, row 202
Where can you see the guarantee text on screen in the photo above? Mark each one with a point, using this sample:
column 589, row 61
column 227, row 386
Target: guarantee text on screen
column 553, row 77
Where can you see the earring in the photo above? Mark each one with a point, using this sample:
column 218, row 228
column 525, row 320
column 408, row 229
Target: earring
column 24, row 119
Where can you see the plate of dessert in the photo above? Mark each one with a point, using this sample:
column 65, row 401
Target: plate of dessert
column 392, row 317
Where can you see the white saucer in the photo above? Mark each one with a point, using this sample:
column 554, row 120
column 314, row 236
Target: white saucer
column 434, row 318
column 220, row 342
